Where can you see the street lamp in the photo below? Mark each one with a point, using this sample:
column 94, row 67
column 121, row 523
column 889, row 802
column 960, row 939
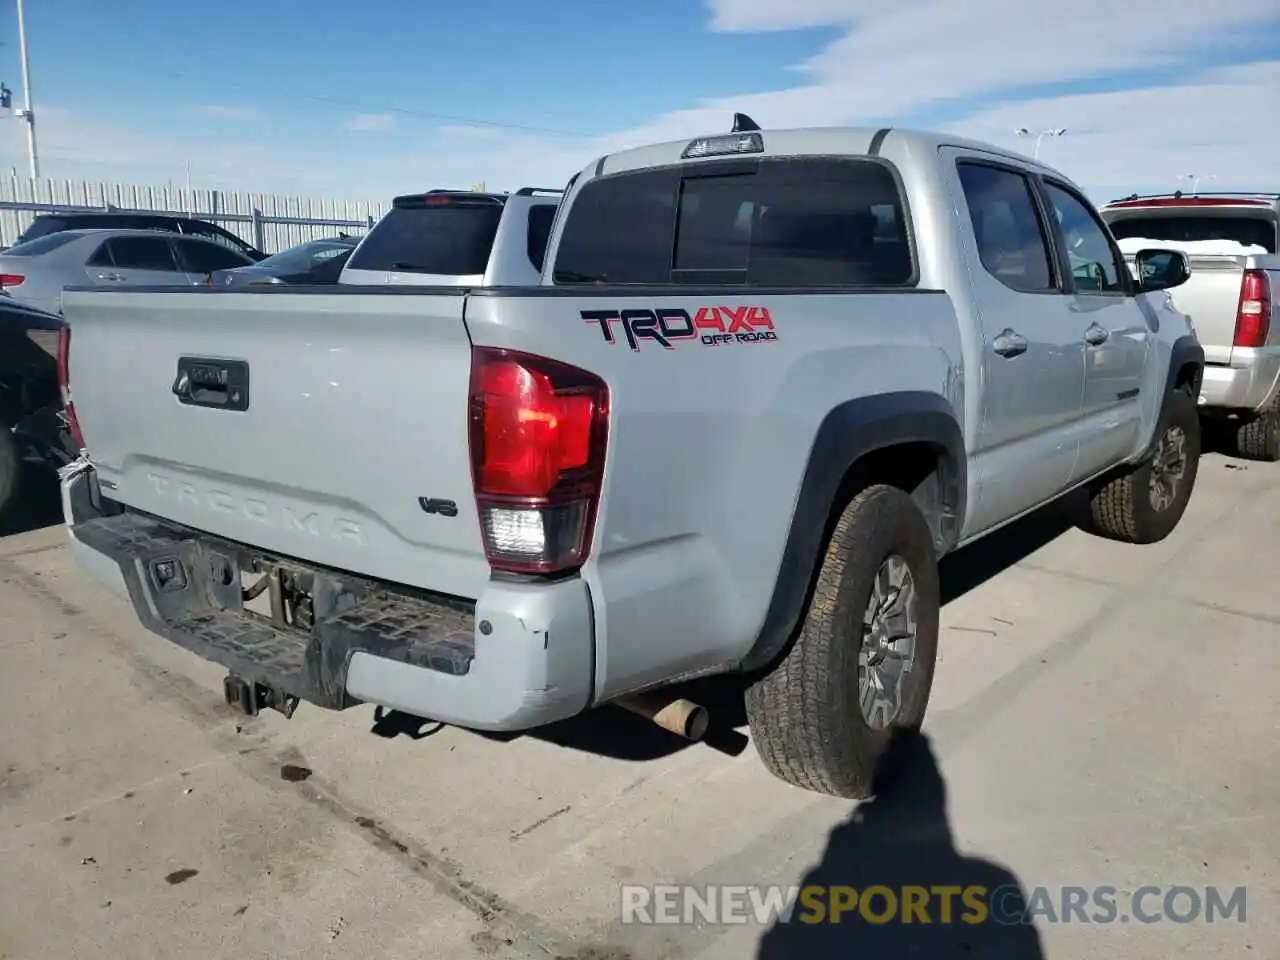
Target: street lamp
column 1195, row 179
column 1035, row 153
column 27, row 112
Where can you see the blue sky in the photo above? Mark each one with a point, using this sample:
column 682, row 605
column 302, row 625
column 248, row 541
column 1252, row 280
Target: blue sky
column 328, row 98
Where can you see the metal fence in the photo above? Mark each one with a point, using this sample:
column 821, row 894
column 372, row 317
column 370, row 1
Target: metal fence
column 270, row 222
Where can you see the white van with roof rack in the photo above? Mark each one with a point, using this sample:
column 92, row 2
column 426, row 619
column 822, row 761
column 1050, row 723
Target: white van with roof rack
column 457, row 238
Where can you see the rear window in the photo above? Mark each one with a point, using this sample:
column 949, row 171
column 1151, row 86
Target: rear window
column 449, row 239
column 540, row 218
column 34, row 248
column 42, row 227
column 1248, row 231
column 795, row 223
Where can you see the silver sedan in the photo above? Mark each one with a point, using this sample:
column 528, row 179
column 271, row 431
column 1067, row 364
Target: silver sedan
column 37, row 272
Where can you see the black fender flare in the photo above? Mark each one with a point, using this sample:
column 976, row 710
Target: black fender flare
column 848, row 433
column 1186, row 350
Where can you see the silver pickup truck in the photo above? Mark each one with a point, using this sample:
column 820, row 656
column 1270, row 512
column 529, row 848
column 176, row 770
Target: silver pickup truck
column 1232, row 296
column 767, row 379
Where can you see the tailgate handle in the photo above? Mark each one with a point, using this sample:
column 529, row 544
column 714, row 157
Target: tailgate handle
column 208, row 382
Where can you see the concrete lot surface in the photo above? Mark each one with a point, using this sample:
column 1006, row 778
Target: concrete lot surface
column 1103, row 715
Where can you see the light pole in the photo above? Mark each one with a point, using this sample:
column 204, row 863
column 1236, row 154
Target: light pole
column 1035, row 153
column 28, row 112
column 1195, row 179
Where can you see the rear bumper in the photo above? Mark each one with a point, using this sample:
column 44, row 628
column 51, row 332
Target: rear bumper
column 1249, row 383
column 521, row 657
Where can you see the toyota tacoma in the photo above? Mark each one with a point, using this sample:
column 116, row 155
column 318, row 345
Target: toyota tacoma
column 766, row 380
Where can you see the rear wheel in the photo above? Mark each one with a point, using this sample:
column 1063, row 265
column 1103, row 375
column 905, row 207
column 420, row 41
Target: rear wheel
column 1145, row 504
column 1259, row 439
column 857, row 678
column 10, row 469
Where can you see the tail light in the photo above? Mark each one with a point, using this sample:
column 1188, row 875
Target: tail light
column 11, row 279
column 64, row 385
column 1253, row 317
column 538, row 430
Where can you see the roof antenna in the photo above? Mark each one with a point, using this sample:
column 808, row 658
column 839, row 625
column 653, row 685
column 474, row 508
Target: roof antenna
column 742, row 123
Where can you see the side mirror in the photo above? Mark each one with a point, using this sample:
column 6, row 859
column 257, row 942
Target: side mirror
column 1161, row 269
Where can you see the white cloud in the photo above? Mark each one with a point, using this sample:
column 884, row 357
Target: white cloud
column 1146, row 138
column 371, row 123
column 896, row 64
column 225, row 111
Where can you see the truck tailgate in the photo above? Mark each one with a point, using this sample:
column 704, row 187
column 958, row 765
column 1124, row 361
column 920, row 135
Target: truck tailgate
column 1210, row 297
column 355, row 407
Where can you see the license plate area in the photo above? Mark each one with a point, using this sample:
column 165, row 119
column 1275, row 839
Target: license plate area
column 279, row 594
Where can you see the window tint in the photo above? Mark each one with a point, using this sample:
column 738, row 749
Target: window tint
column 102, row 256
column 803, row 223
column 450, row 239
column 214, row 233
column 41, row 227
column 305, row 256
column 1095, row 266
column 1007, row 226
column 33, row 248
column 540, row 218
column 329, row 269
column 205, row 256
column 142, row 253
column 620, row 229
column 1249, row 231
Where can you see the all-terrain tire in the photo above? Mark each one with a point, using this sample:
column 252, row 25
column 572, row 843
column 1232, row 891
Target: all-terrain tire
column 10, row 469
column 1123, row 508
column 806, row 720
column 1259, row 439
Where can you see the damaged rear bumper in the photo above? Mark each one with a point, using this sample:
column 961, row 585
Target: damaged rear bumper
column 519, row 657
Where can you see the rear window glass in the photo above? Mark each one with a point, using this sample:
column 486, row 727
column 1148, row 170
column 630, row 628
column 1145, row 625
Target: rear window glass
column 1249, row 231
column 801, row 223
column 42, row 227
column 452, row 240
column 33, row 248
column 539, row 232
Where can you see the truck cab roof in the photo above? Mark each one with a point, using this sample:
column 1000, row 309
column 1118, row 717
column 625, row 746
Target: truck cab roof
column 798, row 141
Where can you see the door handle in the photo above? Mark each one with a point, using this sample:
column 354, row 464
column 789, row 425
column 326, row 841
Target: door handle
column 1096, row 335
column 110, row 276
column 1009, row 343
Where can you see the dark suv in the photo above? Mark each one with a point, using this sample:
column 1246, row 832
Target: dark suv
column 48, row 223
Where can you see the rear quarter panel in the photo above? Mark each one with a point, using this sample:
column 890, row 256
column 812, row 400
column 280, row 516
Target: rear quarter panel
column 707, row 449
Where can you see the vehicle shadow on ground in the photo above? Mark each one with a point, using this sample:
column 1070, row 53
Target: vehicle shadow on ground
column 38, row 504
column 614, row 732
column 902, row 839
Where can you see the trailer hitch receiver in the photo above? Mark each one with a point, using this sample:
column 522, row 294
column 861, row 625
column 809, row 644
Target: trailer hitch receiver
column 252, row 698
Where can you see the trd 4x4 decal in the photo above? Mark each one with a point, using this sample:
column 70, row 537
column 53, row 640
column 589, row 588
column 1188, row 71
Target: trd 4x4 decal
column 714, row 326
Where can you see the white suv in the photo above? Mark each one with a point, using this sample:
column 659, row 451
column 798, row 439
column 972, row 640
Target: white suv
column 457, row 238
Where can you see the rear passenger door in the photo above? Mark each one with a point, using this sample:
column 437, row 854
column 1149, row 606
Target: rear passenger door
column 1110, row 323
column 136, row 261
column 1032, row 360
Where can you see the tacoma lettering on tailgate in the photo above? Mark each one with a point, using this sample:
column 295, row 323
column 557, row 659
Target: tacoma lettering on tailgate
column 257, row 510
column 714, row 326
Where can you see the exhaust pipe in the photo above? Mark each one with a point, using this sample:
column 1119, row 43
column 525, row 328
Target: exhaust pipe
column 681, row 717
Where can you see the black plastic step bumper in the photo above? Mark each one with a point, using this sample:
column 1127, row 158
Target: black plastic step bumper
column 187, row 587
